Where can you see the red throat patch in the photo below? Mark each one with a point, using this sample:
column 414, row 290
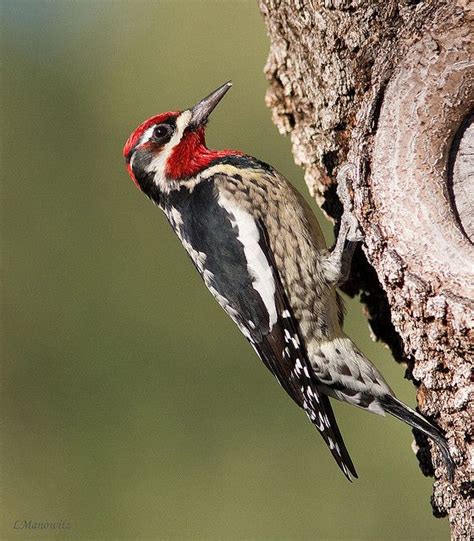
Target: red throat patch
column 190, row 156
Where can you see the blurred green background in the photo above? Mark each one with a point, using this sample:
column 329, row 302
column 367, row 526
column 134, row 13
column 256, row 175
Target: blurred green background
column 132, row 407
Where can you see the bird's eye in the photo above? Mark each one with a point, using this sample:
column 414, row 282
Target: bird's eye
column 161, row 131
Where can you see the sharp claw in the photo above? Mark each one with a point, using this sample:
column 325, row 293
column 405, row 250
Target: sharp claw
column 344, row 179
column 355, row 234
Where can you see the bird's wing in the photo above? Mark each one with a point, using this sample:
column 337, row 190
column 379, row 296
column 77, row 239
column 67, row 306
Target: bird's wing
column 283, row 352
column 230, row 249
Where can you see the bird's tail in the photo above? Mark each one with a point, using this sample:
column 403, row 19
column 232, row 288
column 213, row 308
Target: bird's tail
column 398, row 409
column 339, row 451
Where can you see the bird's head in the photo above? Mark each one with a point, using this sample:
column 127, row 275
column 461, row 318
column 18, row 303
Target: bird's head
column 169, row 149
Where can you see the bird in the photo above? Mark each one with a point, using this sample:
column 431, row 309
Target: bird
column 260, row 250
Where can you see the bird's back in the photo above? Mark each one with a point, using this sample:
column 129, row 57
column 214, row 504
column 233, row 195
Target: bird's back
column 296, row 241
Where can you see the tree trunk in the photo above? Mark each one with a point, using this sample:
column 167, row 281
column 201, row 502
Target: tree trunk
column 387, row 85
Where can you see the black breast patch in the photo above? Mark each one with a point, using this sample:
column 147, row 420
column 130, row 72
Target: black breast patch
column 207, row 228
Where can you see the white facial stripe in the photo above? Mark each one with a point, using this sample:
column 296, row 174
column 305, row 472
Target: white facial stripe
column 257, row 262
column 158, row 164
column 147, row 135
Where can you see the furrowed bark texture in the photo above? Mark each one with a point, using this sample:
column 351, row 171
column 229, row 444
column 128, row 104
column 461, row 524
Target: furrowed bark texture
column 387, row 85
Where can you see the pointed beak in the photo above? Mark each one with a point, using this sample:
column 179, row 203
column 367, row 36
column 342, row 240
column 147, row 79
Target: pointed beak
column 201, row 111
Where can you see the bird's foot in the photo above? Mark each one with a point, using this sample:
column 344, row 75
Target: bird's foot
column 345, row 179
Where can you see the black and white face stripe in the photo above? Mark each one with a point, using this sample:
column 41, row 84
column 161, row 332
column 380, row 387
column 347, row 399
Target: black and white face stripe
column 168, row 135
column 159, row 133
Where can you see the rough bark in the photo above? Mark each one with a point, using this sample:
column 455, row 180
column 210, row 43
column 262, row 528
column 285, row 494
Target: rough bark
column 387, row 85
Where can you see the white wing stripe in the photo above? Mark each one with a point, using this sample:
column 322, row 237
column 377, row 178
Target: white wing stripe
column 257, row 262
